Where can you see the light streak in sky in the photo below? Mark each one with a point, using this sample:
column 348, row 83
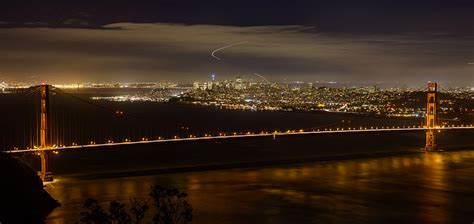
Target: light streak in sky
column 261, row 76
column 224, row 47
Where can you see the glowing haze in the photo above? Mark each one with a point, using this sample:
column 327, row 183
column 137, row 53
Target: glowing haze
column 155, row 52
column 403, row 42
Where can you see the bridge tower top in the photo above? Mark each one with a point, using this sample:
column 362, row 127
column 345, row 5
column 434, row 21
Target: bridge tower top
column 432, row 87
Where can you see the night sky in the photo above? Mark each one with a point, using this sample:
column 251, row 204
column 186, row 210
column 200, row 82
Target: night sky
column 396, row 41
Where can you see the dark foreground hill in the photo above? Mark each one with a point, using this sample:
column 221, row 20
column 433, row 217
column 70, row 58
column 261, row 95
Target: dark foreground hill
column 22, row 197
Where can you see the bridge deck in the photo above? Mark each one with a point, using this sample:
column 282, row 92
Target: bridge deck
column 236, row 136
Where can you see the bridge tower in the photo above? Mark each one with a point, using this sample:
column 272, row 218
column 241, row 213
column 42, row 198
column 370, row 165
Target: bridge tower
column 45, row 173
column 431, row 118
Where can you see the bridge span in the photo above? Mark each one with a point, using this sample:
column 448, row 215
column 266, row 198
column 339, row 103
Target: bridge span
column 235, row 135
column 431, row 127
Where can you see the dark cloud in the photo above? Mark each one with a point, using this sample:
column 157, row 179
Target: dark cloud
column 361, row 16
column 157, row 52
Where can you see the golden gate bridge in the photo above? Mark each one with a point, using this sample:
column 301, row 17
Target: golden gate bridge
column 54, row 135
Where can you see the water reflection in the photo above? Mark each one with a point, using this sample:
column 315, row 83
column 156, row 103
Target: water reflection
column 423, row 188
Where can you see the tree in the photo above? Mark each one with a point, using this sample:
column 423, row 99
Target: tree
column 117, row 212
column 172, row 207
column 138, row 210
column 93, row 213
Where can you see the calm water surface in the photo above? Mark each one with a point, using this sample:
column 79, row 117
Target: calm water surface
column 420, row 188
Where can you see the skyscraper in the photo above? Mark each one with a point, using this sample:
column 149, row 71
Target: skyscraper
column 238, row 83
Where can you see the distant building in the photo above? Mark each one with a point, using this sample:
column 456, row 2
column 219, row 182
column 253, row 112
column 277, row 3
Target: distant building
column 199, row 86
column 3, row 86
column 210, row 85
column 203, row 85
column 238, row 83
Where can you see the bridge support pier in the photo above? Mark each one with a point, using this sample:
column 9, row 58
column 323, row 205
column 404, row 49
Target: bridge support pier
column 431, row 141
column 431, row 119
column 45, row 172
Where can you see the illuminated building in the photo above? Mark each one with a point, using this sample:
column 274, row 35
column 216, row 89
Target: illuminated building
column 238, row 83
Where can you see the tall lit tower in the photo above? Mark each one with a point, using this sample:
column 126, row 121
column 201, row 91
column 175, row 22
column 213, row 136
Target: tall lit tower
column 45, row 174
column 431, row 118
